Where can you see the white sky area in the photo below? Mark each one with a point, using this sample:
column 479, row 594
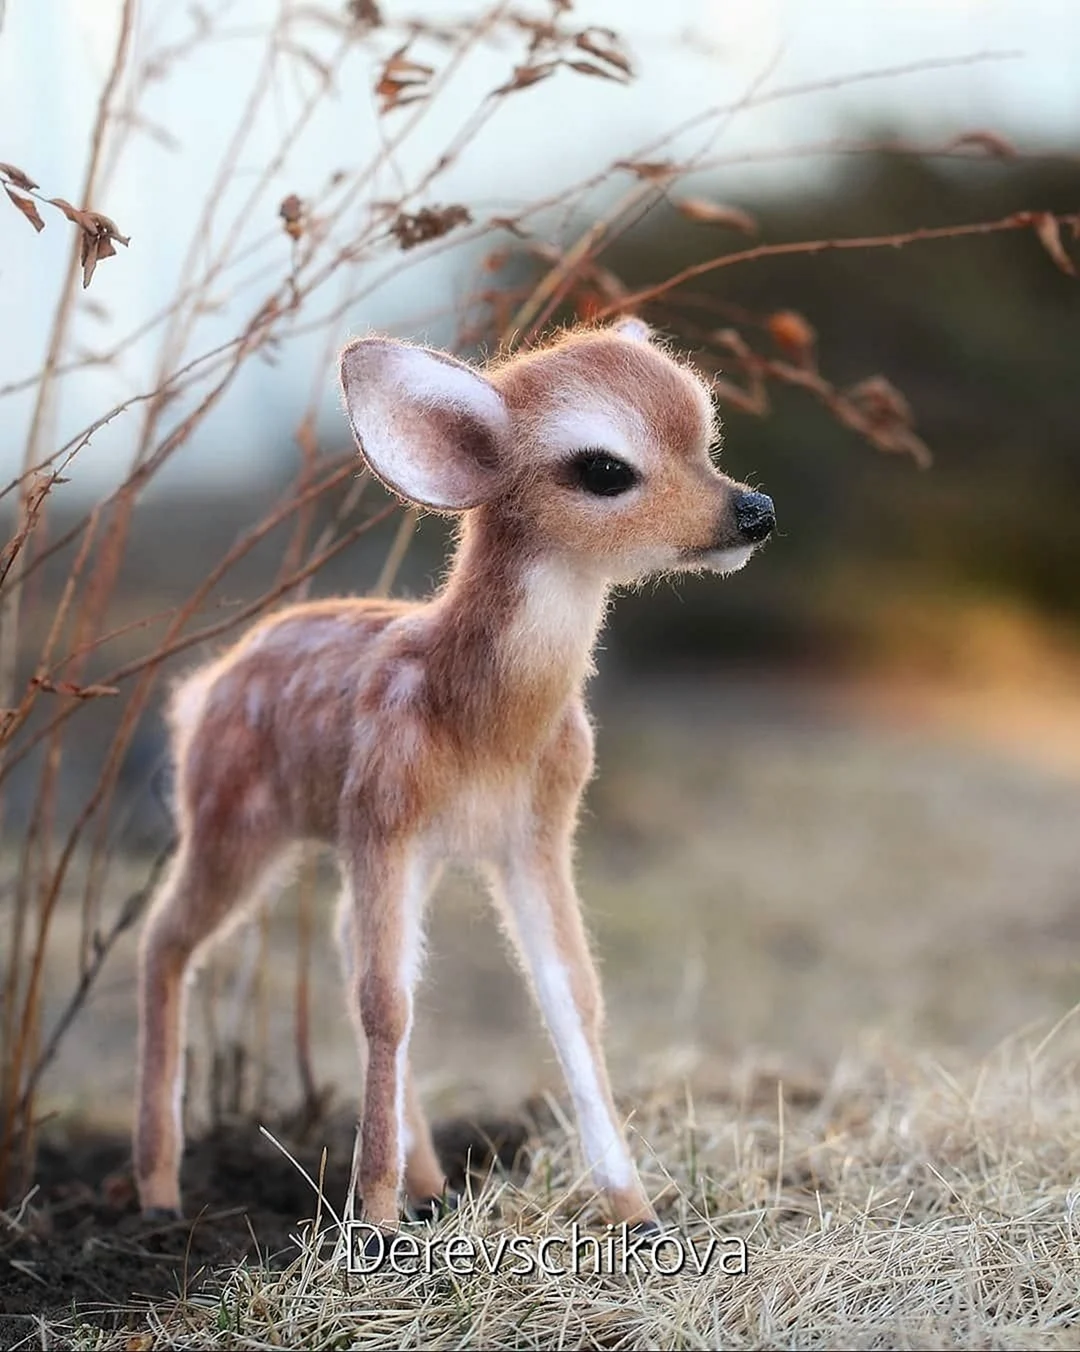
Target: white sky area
column 689, row 55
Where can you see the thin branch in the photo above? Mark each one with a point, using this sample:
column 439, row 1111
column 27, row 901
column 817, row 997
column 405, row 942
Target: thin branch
column 1022, row 220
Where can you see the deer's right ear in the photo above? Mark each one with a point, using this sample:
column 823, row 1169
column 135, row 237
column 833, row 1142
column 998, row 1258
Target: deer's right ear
column 430, row 427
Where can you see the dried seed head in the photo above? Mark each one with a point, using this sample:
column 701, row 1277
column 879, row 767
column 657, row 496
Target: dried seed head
column 428, row 223
column 291, row 212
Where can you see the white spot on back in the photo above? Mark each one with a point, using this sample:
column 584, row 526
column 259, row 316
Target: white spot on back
column 406, row 678
column 254, row 702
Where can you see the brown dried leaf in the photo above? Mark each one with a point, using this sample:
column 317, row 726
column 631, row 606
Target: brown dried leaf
column 524, row 76
column 73, row 214
column 604, row 51
column 793, row 335
column 508, row 223
column 402, row 102
column 291, row 212
column 98, row 234
column 398, row 76
column 27, row 207
column 90, row 246
column 1049, row 233
column 106, row 228
column 588, row 68
column 881, row 402
column 17, row 177
column 365, row 12
column 428, row 223
column 399, row 67
column 713, row 213
column 649, row 169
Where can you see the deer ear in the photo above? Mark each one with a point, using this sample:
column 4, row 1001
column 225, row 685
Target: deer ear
column 430, row 427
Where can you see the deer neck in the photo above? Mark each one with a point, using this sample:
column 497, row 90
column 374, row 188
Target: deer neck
column 516, row 628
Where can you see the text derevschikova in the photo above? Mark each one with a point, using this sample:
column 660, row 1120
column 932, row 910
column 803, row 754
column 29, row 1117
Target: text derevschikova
column 617, row 1251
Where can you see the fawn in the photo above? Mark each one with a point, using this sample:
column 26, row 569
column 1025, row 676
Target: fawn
column 403, row 733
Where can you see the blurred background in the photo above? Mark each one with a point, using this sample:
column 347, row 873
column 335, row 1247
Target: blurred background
column 838, row 792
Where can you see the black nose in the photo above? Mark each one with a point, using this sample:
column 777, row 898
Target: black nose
column 754, row 516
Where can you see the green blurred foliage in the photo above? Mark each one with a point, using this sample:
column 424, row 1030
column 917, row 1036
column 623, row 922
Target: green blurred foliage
column 981, row 334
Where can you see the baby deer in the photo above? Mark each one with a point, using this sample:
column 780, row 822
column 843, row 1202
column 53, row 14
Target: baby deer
column 403, row 733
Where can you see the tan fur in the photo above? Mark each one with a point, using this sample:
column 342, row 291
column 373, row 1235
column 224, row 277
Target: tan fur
column 402, row 734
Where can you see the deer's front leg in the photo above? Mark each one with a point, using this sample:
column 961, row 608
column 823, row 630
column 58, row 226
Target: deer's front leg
column 537, row 889
column 389, row 887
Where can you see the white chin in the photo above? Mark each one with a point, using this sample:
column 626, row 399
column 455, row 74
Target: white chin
column 727, row 560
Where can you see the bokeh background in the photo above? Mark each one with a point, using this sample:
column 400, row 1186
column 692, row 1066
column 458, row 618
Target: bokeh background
column 838, row 793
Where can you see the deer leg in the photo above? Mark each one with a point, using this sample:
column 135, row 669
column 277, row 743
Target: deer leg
column 537, row 892
column 425, row 1180
column 389, row 887
column 205, row 886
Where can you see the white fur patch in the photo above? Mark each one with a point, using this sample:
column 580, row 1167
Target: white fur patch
column 633, row 328
column 559, row 615
column 730, row 560
column 258, row 805
column 617, row 429
column 254, row 702
column 189, row 698
column 405, row 680
column 417, row 885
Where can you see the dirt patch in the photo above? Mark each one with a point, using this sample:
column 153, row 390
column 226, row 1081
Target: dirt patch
column 81, row 1241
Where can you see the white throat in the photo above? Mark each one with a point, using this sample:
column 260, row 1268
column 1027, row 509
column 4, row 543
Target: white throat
column 558, row 616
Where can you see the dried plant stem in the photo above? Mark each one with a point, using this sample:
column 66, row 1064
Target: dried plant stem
column 395, row 555
column 1018, row 221
column 10, row 601
column 16, row 1042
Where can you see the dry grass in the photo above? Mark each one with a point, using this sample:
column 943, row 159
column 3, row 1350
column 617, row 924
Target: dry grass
column 893, row 1204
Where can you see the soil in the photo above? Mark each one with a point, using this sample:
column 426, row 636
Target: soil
column 81, row 1243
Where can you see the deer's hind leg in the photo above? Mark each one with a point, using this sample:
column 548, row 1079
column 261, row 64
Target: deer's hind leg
column 228, row 855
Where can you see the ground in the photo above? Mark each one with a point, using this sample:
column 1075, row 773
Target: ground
column 798, row 888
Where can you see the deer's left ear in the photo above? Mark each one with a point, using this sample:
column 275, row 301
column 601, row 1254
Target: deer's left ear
column 633, row 328
column 430, row 427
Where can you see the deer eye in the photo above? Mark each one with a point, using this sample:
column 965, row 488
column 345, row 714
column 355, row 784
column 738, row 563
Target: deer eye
column 602, row 474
